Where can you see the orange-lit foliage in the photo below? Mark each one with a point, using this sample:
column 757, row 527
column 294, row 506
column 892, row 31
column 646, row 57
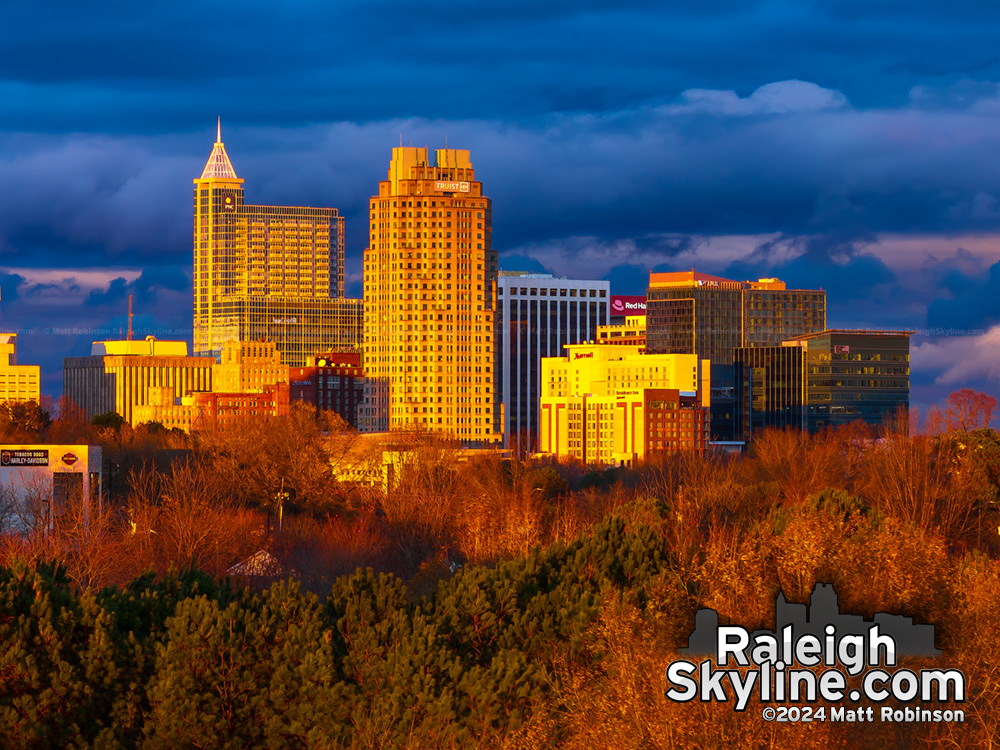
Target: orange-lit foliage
column 897, row 522
column 969, row 410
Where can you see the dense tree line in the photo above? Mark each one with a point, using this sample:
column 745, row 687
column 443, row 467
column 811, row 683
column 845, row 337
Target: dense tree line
column 180, row 661
column 499, row 603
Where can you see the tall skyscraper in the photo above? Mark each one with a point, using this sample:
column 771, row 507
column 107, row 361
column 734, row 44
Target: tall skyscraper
column 430, row 291
column 273, row 273
column 537, row 315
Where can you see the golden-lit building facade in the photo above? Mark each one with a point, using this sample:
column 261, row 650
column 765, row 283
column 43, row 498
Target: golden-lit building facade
column 430, row 294
column 230, row 410
column 164, row 408
column 330, row 382
column 118, row 375
column 630, row 333
column 248, row 366
column 214, row 410
column 610, row 404
column 17, row 382
column 273, row 273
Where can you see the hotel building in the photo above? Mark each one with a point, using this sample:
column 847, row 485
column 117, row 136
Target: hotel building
column 273, row 273
column 611, row 405
column 17, row 382
column 824, row 379
column 695, row 313
column 430, row 287
column 537, row 315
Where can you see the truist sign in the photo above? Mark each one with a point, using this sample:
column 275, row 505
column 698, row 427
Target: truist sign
column 627, row 305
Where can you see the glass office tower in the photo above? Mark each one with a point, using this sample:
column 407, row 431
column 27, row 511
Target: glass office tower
column 696, row 313
column 825, row 379
column 273, row 273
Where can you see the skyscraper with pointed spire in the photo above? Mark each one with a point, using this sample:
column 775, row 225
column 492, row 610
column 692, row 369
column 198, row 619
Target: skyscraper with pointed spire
column 273, row 273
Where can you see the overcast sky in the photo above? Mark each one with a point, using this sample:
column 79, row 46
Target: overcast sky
column 852, row 146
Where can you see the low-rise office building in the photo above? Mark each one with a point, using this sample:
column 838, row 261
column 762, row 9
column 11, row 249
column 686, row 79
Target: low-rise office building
column 212, row 410
column 118, row 375
column 825, row 379
column 228, row 410
column 330, row 382
column 17, row 382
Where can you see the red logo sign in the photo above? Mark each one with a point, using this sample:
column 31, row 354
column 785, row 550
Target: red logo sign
column 623, row 305
column 69, row 459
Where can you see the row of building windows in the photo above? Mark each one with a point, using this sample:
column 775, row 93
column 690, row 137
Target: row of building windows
column 553, row 292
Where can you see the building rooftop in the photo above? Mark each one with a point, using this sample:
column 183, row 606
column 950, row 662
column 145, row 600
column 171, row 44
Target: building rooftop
column 218, row 166
column 694, row 278
column 147, row 347
column 853, row 331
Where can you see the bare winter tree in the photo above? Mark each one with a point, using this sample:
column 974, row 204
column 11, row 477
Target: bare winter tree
column 969, row 410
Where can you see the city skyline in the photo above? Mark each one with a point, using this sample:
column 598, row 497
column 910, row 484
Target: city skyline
column 869, row 174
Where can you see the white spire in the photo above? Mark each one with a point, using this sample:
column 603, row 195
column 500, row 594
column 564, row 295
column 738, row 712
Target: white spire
column 218, row 166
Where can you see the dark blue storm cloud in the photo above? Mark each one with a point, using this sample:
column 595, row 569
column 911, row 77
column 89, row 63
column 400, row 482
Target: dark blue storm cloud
column 158, row 67
column 615, row 138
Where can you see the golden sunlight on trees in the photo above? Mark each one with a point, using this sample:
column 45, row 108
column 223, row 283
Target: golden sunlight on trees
column 475, row 600
column 969, row 410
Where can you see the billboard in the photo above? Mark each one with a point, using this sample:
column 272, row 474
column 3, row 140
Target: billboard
column 24, row 457
column 627, row 305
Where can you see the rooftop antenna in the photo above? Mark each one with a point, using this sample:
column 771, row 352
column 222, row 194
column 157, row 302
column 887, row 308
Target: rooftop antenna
column 218, row 130
column 400, row 140
column 130, row 317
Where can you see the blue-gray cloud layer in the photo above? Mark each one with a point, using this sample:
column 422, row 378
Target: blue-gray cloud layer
column 155, row 67
column 633, row 127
